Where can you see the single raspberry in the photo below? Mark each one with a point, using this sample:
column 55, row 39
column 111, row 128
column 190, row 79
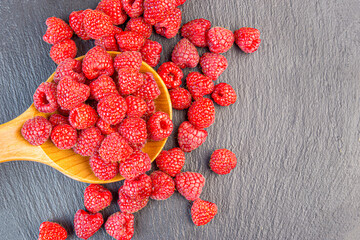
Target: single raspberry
column 149, row 90
column 171, row 161
column 133, row 130
column 219, row 40
column 69, row 67
column 185, row 54
column 120, row 225
column 139, row 187
column 114, row 9
column 213, row 65
column 109, row 42
column 163, row 186
column 103, row 170
column 88, row 141
column 248, row 39
column 151, row 52
column 199, row 85
column 222, row 161
column 136, row 106
column 114, row 148
column 179, row 2
column 136, row 164
column 96, row 198
column 63, row 50
column 195, row 31
column 170, row 26
column 36, row 130
column 82, row 116
column 87, row 224
column 97, row 24
column 180, row 98
column 201, row 113
column 58, row 119
column 224, row 94
column 203, row 212
column 129, row 59
column 129, row 205
column 190, row 184
column 133, row 8
column 160, row 126
column 64, row 136
column 157, row 10
column 170, row 74
column 151, row 109
column 130, row 41
column 52, row 231
column 140, row 26
column 71, row 93
column 102, row 87
column 190, row 137
column 112, row 109
column 45, row 98
column 76, row 20
column 97, row 62
column 105, row 127
column 57, row 31
column 129, row 80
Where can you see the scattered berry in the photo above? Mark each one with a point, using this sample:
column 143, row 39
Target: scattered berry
column 71, row 93
column 129, row 205
column 140, row 26
column 199, row 85
column 69, row 67
column 105, row 127
column 64, row 136
column 180, row 98
column 130, row 41
column 114, row 9
column 202, row 212
column 224, row 94
column 114, row 148
column 195, row 31
column 57, row 31
column 190, row 184
column 136, row 164
column 109, row 42
column 213, row 65
column 103, row 170
column 201, row 113
column 133, row 8
column 82, row 116
column 97, row 24
column 45, row 98
column 157, row 10
column 190, row 137
column 149, row 90
column 171, row 161
column 87, row 224
column 222, row 161
column 136, row 106
column 151, row 52
column 185, row 54
column 129, row 59
column 96, row 198
column 159, row 126
column 129, row 80
column 63, row 50
column 36, row 130
column 58, row 119
column 170, row 26
column 133, row 130
column 97, row 62
column 163, row 186
column 76, row 20
column 52, row 231
column 171, row 74
column 139, row 187
column 112, row 109
column 120, row 226
column 219, row 40
column 248, row 39
column 88, row 141
column 102, row 87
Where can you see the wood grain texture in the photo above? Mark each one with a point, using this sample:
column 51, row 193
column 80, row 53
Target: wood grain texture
column 295, row 128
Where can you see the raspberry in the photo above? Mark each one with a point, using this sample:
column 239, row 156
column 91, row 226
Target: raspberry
column 140, row 26
column 87, row 224
column 157, row 10
column 203, row 211
column 201, row 113
column 129, row 205
column 82, row 116
column 190, row 184
column 97, row 24
column 76, row 20
column 139, row 187
column 69, row 67
column 120, row 225
column 52, row 231
column 88, row 141
column 114, row 148
column 105, row 127
column 199, row 85
column 129, row 59
column 96, row 198
column 63, row 50
column 71, row 93
column 222, row 161
column 57, row 31
column 170, row 74
column 171, row 161
column 163, row 186
column 248, row 39
column 179, row 2
column 185, row 54
column 151, row 108
column 109, row 42
column 151, row 52
column 133, row 8
column 190, row 137
column 64, row 136
column 213, row 65
column 129, row 80
column 136, row 164
column 219, row 40
column 180, row 98
column 114, row 9
column 136, row 106
column 112, row 109
column 170, row 26
column 103, row 170
column 160, row 126
column 57, row 119
column 45, row 98
column 149, row 90
column 130, row 41
column 195, row 31
column 97, row 62
column 36, row 130
column 102, row 87
column 224, row 94
column 133, row 130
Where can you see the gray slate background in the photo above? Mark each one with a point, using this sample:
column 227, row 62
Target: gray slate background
column 295, row 128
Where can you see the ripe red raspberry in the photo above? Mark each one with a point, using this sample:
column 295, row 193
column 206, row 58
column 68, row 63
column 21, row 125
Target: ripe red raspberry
column 58, row 119
column 248, row 39
column 203, row 212
column 140, row 26
column 180, row 98
column 52, row 230
column 219, row 40
column 213, row 65
column 190, row 184
column 71, row 93
column 114, row 148
column 133, row 130
column 185, row 54
column 103, row 170
column 129, row 59
column 136, row 164
column 130, row 41
column 36, row 130
column 76, row 19
column 139, row 187
column 149, row 90
column 97, row 62
column 190, row 137
column 157, row 10
column 97, row 24
column 160, row 126
column 105, row 127
column 88, row 141
column 64, row 136
column 63, row 50
column 179, row 2
column 82, row 116
column 224, row 94
column 136, row 106
column 222, row 161
column 109, row 42
column 170, row 26
column 45, row 98
column 112, row 109
column 120, row 225
column 114, row 9
column 133, row 8
column 87, row 224
column 151, row 109
column 102, row 87
column 199, row 85
column 195, row 31
column 201, row 113
column 129, row 80
column 171, row 161
column 69, row 67
column 163, row 186
column 129, row 205
column 57, row 31
column 96, row 198
column 170, row 74
column 151, row 52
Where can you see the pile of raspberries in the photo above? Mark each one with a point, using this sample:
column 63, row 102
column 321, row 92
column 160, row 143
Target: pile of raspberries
column 103, row 107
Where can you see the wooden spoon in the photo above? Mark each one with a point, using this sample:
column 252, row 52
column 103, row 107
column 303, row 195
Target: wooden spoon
column 14, row 147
